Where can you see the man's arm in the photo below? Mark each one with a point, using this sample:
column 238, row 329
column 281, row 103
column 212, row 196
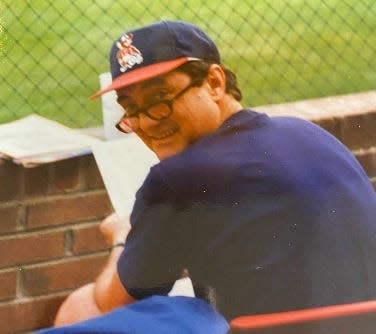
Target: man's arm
column 109, row 291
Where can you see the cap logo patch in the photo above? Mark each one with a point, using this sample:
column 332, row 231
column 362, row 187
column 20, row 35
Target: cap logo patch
column 128, row 55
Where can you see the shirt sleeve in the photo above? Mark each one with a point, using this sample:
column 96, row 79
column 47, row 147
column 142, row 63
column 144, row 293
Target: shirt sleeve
column 153, row 257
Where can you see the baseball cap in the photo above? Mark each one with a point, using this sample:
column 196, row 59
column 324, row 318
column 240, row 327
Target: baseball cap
column 155, row 49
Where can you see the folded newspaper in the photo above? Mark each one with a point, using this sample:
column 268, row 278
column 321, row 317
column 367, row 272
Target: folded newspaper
column 123, row 164
column 35, row 140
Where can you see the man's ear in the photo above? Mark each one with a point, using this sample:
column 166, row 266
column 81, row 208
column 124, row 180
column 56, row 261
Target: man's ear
column 216, row 80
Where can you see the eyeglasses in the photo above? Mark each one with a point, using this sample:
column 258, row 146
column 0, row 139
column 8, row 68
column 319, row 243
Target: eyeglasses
column 156, row 111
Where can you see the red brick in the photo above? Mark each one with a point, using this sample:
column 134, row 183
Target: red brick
column 332, row 125
column 11, row 217
column 8, row 283
column 359, row 131
column 62, row 275
column 90, row 173
column 368, row 160
column 37, row 180
column 69, row 209
column 87, row 239
column 66, row 175
column 30, row 248
column 10, row 180
column 29, row 314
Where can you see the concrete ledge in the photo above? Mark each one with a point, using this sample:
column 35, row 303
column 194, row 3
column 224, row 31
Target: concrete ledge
column 323, row 108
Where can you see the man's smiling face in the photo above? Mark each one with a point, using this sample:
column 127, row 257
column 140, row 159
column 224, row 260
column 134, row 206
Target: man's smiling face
column 194, row 113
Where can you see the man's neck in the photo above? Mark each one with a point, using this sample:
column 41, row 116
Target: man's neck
column 229, row 106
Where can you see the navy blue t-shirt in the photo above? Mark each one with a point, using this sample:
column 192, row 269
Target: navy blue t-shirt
column 267, row 214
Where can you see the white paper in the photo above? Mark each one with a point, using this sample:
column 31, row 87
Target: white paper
column 182, row 287
column 112, row 111
column 123, row 164
column 35, row 139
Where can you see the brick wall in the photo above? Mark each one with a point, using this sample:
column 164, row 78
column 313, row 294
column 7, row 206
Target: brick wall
column 49, row 241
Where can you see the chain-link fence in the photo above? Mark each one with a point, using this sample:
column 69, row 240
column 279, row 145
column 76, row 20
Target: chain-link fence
column 53, row 51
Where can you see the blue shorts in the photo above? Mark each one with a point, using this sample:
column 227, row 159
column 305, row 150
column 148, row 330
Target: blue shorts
column 156, row 314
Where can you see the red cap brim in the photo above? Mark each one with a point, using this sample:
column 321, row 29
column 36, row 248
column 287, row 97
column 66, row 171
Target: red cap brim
column 141, row 74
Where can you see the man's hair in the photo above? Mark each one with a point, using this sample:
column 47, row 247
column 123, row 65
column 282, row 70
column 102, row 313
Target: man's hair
column 198, row 70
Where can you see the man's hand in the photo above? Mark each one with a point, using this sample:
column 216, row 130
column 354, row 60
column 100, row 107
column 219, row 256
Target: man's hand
column 109, row 291
column 114, row 229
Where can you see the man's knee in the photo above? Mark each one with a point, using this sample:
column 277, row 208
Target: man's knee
column 78, row 306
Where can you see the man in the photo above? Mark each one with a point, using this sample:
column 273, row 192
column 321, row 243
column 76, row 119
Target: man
column 265, row 214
